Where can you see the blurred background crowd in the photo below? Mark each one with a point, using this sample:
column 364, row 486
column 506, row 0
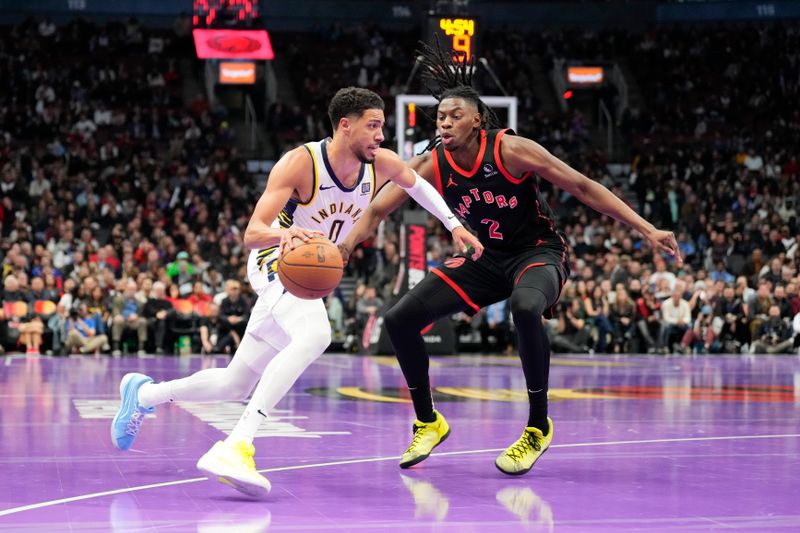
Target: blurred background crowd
column 124, row 192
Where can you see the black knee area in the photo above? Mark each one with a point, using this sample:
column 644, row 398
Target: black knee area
column 409, row 314
column 527, row 303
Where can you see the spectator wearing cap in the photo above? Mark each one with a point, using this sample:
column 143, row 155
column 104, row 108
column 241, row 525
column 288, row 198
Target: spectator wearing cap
column 182, row 272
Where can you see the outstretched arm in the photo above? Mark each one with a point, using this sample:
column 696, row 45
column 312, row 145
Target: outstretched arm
column 390, row 197
column 521, row 155
column 429, row 198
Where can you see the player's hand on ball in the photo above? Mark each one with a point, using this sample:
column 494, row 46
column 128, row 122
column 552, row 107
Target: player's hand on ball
column 463, row 240
column 290, row 234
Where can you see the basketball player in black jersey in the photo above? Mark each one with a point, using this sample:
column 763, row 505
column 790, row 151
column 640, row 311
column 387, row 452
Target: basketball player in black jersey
column 489, row 178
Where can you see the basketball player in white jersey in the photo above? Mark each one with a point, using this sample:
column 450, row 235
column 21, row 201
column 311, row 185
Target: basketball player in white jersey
column 321, row 188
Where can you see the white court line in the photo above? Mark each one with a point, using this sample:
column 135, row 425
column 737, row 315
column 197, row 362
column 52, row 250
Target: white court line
column 13, row 357
column 51, row 503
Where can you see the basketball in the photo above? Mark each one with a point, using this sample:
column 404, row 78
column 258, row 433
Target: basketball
column 312, row 269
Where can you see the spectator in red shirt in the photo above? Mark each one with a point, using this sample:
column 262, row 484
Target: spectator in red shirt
column 198, row 293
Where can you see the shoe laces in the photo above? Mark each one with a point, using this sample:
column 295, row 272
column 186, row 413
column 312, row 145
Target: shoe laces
column 418, row 434
column 135, row 423
column 528, row 442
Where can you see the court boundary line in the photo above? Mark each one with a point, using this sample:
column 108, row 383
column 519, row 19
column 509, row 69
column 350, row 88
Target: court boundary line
column 82, row 497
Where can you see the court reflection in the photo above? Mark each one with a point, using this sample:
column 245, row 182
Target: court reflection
column 429, row 502
column 257, row 521
column 126, row 513
column 528, row 506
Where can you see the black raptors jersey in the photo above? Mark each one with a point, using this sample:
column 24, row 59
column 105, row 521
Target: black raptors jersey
column 508, row 212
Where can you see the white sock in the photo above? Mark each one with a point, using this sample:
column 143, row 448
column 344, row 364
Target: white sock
column 247, row 426
column 152, row 394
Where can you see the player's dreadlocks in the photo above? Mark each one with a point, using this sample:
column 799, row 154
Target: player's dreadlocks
column 446, row 76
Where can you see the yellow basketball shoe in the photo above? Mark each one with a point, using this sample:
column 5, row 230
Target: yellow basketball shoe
column 519, row 458
column 427, row 436
column 234, row 466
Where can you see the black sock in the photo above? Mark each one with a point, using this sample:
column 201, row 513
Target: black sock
column 537, row 416
column 423, row 402
column 535, row 292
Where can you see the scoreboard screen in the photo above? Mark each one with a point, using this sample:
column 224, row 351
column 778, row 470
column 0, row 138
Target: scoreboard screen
column 216, row 13
column 459, row 35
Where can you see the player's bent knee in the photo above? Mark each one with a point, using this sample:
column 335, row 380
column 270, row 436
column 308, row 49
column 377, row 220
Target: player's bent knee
column 406, row 314
column 528, row 302
column 391, row 320
column 312, row 345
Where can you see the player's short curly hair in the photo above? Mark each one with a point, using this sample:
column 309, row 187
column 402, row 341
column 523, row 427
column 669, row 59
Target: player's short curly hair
column 352, row 101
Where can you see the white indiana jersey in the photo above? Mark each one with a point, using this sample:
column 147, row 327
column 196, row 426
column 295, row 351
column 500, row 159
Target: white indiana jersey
column 332, row 209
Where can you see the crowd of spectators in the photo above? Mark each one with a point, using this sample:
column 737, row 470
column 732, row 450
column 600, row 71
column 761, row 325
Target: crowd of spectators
column 714, row 158
column 125, row 202
column 122, row 204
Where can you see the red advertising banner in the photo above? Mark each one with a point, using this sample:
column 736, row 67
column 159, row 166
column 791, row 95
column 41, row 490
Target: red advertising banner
column 233, row 44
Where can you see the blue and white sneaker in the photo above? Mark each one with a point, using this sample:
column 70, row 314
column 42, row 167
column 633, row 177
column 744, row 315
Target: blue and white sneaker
column 129, row 418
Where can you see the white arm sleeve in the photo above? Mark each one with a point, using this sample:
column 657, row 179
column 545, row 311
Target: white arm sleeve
column 429, row 198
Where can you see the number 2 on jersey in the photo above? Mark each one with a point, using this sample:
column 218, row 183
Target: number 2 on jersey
column 493, row 227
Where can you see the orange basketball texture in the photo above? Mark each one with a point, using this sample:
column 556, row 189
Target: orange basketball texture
column 312, row 269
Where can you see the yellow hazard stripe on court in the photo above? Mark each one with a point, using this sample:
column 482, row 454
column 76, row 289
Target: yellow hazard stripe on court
column 355, row 392
column 496, row 395
column 390, row 360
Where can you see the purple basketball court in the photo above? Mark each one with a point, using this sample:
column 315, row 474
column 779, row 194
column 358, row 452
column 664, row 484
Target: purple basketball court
column 640, row 443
